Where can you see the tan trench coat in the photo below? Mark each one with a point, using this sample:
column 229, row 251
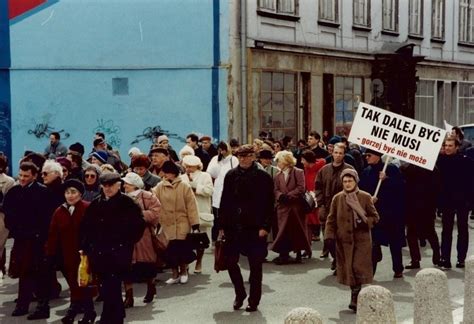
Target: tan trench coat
column 179, row 209
column 353, row 245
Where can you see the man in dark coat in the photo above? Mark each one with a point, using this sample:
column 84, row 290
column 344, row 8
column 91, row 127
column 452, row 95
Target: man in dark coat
column 28, row 210
column 454, row 199
column 313, row 145
column 390, row 204
column 245, row 213
column 422, row 189
column 113, row 223
column 192, row 140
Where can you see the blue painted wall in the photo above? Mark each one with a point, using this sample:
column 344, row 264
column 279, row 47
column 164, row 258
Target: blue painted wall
column 5, row 96
column 65, row 56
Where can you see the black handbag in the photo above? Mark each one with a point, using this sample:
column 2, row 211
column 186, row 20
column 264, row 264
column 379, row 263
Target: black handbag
column 198, row 240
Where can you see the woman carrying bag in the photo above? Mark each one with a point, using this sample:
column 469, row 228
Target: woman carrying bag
column 144, row 256
column 201, row 184
column 179, row 214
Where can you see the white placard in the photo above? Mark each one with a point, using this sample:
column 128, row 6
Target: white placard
column 397, row 136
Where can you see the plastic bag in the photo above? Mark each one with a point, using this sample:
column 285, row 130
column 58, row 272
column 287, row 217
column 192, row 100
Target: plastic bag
column 84, row 276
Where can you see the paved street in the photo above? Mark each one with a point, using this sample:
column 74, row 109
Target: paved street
column 208, row 297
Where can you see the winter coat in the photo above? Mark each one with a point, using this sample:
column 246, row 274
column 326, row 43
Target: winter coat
column 109, row 231
column 179, row 209
column 150, row 205
column 57, row 192
column 353, row 244
column 218, row 170
column 310, row 183
column 202, row 188
column 290, row 215
column 328, row 183
column 390, row 203
column 247, row 200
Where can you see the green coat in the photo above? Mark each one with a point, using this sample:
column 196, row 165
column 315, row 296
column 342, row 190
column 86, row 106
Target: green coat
column 353, row 245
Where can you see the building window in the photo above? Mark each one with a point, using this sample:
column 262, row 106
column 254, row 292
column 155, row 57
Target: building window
column 349, row 93
column 287, row 7
column 437, row 24
column 362, row 13
column 328, row 11
column 466, row 103
column 466, row 17
column 425, row 101
column 278, row 104
column 415, row 17
column 390, row 15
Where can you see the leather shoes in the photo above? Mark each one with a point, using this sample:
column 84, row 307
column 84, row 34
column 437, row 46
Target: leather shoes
column 398, row 275
column 413, row 265
column 460, row 264
column 251, row 308
column 20, row 311
column 238, row 302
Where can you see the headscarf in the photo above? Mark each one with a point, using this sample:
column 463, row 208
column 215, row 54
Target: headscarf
column 352, row 201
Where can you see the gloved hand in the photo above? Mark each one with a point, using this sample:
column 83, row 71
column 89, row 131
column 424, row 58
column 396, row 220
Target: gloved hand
column 195, row 228
column 283, row 199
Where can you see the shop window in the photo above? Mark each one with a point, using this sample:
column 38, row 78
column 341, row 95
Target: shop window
column 348, row 94
column 278, row 103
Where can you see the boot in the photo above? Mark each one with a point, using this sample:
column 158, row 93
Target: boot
column 354, row 294
column 41, row 311
column 70, row 314
column 150, row 292
column 128, row 302
column 89, row 313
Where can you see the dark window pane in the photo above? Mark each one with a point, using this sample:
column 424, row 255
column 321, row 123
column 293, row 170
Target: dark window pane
column 277, row 84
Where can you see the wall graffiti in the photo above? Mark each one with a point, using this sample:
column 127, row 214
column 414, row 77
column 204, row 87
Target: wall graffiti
column 111, row 131
column 44, row 128
column 150, row 133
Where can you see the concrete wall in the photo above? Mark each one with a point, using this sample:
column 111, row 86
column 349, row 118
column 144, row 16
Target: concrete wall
column 65, row 57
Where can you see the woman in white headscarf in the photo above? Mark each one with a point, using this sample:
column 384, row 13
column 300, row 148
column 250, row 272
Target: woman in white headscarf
column 201, row 183
column 144, row 256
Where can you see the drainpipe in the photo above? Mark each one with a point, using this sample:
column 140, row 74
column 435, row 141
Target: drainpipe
column 243, row 67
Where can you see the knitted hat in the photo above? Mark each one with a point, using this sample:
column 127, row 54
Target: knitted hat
column 350, row 172
column 159, row 150
column 370, row 151
column 64, row 162
column 191, row 160
column 77, row 147
column 170, row 167
column 73, row 183
column 134, row 151
column 335, row 139
column 186, row 150
column 102, row 156
column 134, row 179
column 205, row 138
column 162, row 138
column 265, row 154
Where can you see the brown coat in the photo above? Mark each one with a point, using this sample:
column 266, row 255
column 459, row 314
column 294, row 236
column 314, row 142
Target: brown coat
column 353, row 245
column 178, row 208
column 290, row 215
column 150, row 205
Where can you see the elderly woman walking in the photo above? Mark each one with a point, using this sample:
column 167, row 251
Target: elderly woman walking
column 201, row 183
column 351, row 217
column 179, row 214
column 292, row 231
column 144, row 257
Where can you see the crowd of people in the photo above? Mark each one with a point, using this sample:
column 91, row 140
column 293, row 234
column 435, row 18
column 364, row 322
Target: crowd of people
column 65, row 204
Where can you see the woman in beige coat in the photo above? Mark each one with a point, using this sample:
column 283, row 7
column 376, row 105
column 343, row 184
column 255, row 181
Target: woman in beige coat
column 351, row 217
column 201, row 183
column 144, row 257
column 179, row 214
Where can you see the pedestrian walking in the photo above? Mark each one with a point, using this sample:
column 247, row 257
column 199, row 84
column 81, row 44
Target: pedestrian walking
column 245, row 213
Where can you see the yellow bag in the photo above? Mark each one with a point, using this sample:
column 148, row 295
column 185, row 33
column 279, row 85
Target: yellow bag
column 84, row 277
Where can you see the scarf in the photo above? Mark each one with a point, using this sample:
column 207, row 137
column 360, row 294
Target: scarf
column 358, row 212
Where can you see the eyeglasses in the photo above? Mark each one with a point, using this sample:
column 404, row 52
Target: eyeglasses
column 44, row 174
column 89, row 176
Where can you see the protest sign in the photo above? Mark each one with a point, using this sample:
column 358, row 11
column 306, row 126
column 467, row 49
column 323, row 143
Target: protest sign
column 397, row 136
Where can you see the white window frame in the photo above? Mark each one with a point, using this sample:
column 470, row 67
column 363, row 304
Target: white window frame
column 361, row 13
column 438, row 20
column 419, row 96
column 329, row 11
column 286, row 7
column 415, row 12
column 466, row 21
column 390, row 15
column 461, row 111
